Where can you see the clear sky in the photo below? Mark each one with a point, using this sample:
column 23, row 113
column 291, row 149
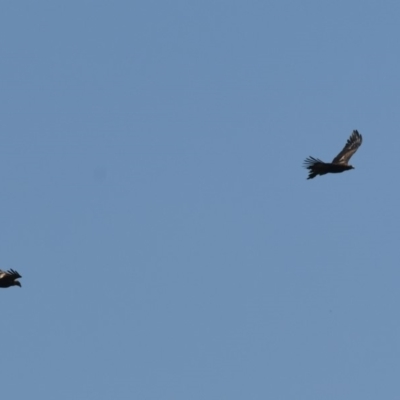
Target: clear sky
column 153, row 199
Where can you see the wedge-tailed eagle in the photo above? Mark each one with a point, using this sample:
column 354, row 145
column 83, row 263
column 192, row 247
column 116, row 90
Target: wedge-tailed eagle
column 339, row 163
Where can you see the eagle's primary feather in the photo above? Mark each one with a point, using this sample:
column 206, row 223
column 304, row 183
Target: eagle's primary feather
column 9, row 278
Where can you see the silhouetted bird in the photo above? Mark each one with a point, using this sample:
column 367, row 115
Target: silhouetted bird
column 339, row 163
column 8, row 278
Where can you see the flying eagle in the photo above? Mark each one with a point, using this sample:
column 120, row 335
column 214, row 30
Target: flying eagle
column 339, row 163
column 8, row 278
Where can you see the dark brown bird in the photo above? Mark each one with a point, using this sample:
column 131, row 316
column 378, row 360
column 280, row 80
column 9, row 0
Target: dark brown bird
column 8, row 278
column 339, row 163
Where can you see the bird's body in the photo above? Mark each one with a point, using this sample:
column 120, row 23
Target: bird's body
column 339, row 163
column 9, row 278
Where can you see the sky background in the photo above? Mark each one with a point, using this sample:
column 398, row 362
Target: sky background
column 153, row 199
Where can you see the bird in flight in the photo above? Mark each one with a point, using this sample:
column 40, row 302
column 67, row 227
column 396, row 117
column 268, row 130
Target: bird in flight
column 339, row 163
column 9, row 278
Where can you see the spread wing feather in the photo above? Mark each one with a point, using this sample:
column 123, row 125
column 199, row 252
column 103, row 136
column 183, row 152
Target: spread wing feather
column 10, row 274
column 353, row 143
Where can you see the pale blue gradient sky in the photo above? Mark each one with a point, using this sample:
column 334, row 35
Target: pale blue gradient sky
column 154, row 200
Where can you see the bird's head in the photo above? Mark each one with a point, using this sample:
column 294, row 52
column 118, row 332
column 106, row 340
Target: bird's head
column 17, row 283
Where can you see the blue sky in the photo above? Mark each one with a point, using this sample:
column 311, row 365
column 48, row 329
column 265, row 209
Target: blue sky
column 154, row 200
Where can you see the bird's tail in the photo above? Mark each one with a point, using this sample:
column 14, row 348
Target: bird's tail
column 314, row 166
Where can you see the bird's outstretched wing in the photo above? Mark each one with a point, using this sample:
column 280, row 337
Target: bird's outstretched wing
column 10, row 274
column 353, row 143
